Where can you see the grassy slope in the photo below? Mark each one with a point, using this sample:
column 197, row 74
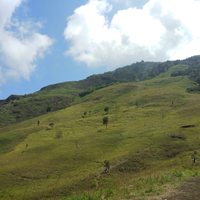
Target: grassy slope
column 137, row 143
column 18, row 108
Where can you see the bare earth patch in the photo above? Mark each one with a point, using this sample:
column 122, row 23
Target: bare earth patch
column 189, row 190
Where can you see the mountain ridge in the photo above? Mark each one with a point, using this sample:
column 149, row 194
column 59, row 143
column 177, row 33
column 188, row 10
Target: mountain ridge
column 61, row 95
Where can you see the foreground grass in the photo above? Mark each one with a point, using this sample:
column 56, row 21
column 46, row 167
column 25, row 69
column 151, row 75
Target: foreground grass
column 138, row 143
column 142, row 187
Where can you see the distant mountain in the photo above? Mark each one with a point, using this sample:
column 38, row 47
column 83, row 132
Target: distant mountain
column 59, row 96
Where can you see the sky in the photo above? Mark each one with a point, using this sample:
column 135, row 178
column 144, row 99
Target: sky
column 44, row 42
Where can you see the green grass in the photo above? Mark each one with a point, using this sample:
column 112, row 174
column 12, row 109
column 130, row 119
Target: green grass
column 138, row 143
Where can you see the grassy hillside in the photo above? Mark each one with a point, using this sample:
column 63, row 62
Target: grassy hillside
column 151, row 136
column 18, row 108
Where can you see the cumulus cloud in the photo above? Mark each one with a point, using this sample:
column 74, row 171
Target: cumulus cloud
column 20, row 44
column 160, row 30
column 129, row 3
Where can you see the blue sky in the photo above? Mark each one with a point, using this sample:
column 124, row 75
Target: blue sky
column 44, row 42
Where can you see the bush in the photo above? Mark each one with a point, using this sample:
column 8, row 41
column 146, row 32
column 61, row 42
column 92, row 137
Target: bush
column 49, row 108
column 106, row 109
column 178, row 173
column 107, row 164
column 195, row 152
column 59, row 134
column 51, row 124
column 105, row 121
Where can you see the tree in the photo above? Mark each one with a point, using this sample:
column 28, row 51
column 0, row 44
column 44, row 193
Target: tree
column 51, row 124
column 105, row 121
column 107, row 164
column 106, row 109
column 49, row 108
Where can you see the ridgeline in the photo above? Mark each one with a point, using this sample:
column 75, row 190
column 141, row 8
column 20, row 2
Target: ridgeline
column 17, row 108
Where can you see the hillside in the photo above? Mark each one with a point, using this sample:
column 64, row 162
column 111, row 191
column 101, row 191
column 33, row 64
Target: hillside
column 18, row 108
column 151, row 137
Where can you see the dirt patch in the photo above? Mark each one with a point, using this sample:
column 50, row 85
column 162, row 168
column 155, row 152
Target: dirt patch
column 169, row 191
column 189, row 190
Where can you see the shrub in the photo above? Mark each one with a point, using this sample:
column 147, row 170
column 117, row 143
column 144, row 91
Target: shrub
column 106, row 109
column 51, row 124
column 105, row 121
column 59, row 134
column 195, row 152
column 49, row 108
column 178, row 173
column 107, row 164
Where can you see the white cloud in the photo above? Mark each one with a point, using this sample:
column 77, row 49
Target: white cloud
column 20, row 44
column 129, row 3
column 161, row 30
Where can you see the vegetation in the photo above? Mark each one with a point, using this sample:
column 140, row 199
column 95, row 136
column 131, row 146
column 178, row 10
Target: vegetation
column 148, row 147
column 59, row 134
column 18, row 108
column 107, row 164
column 105, row 121
column 106, row 109
column 49, row 108
column 51, row 124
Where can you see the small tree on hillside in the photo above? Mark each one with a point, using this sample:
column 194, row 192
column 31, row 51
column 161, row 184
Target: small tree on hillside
column 49, row 108
column 105, row 121
column 106, row 109
column 107, row 164
column 51, row 124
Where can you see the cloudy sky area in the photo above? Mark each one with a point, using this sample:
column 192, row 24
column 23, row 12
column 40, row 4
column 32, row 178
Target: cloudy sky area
column 44, row 42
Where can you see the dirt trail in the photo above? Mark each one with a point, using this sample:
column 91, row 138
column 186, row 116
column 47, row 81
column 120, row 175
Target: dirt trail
column 99, row 174
column 189, row 190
